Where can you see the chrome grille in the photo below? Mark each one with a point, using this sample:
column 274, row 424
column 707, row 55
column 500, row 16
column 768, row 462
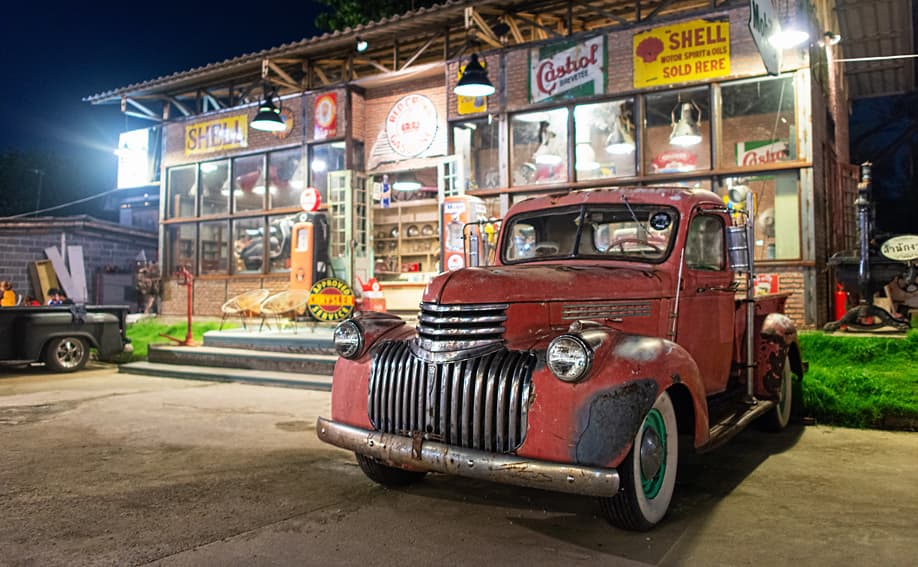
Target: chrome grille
column 479, row 403
column 451, row 332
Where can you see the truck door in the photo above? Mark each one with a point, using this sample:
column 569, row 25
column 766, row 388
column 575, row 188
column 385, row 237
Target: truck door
column 706, row 306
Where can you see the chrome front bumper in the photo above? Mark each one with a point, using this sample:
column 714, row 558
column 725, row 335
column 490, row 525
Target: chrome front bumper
column 421, row 454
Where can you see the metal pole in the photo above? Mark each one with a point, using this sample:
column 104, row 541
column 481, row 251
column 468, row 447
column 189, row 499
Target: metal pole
column 750, row 300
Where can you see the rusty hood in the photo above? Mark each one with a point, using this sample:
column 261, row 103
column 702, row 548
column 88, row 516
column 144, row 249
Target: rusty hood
column 518, row 284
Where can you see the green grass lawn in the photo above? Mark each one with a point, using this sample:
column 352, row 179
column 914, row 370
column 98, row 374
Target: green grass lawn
column 861, row 381
column 149, row 331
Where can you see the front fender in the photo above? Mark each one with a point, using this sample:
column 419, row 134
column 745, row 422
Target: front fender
column 593, row 422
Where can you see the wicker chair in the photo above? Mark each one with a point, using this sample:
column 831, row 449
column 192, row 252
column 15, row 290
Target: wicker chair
column 284, row 305
column 245, row 305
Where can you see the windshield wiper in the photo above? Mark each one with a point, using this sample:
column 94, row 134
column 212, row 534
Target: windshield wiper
column 642, row 232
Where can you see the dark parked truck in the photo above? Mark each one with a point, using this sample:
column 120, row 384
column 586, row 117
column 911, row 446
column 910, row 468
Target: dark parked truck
column 615, row 324
column 61, row 336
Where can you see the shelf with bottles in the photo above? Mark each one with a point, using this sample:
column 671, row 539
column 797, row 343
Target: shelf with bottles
column 406, row 239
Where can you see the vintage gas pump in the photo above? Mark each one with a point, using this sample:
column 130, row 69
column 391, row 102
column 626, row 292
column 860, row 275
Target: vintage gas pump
column 309, row 251
column 184, row 277
column 455, row 212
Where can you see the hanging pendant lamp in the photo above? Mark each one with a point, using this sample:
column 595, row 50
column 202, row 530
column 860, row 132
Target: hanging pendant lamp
column 474, row 81
column 268, row 118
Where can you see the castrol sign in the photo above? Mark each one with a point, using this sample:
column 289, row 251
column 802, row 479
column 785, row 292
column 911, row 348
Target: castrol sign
column 567, row 69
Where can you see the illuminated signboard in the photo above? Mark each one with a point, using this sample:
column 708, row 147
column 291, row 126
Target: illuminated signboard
column 134, row 164
column 683, row 52
column 216, row 135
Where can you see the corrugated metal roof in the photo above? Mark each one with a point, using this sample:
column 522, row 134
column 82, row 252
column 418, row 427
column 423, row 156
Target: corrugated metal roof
column 877, row 28
column 417, row 21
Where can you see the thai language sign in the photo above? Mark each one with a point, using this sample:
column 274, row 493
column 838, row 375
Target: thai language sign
column 567, row 69
column 677, row 53
column 216, row 135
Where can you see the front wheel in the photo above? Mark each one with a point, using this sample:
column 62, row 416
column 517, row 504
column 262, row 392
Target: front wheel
column 386, row 475
column 648, row 473
column 66, row 354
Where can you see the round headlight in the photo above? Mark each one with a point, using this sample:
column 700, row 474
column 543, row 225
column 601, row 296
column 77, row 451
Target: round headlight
column 569, row 358
column 348, row 339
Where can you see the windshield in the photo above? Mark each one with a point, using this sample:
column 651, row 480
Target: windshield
column 640, row 233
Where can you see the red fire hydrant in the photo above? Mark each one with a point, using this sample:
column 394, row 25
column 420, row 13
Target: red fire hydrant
column 841, row 301
column 185, row 278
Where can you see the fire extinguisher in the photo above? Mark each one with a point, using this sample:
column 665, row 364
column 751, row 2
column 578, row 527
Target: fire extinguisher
column 841, row 301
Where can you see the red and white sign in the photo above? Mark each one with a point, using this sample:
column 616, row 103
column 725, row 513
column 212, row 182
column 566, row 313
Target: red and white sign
column 326, row 116
column 672, row 161
column 411, row 125
column 310, row 199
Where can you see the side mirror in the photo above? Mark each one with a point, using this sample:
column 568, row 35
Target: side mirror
column 738, row 248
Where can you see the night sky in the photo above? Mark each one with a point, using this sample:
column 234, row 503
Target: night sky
column 55, row 54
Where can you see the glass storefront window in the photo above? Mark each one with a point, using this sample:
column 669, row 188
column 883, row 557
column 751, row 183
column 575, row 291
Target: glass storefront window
column 280, row 231
column 214, row 247
column 758, row 122
column 478, row 144
column 215, row 184
column 322, row 159
column 180, row 245
column 777, row 220
column 248, row 245
column 604, row 140
column 538, row 147
column 249, row 183
column 677, row 134
column 180, row 191
column 287, row 178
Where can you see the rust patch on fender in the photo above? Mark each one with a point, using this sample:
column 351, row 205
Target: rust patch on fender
column 611, row 421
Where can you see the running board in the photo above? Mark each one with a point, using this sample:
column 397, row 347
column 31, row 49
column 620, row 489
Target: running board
column 727, row 428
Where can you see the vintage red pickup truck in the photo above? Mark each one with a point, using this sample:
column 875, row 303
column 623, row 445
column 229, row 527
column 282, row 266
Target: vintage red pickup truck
column 613, row 325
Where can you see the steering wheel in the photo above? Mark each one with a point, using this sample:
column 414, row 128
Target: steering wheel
column 620, row 242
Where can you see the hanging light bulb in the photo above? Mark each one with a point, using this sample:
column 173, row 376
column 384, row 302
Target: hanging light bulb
column 685, row 130
column 791, row 31
column 620, row 140
column 268, row 118
column 474, row 81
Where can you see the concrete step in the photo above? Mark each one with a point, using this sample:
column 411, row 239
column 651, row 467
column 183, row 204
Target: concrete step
column 245, row 359
column 210, row 374
column 311, row 340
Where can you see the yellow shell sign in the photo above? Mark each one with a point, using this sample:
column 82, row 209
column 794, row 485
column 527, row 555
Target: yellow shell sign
column 330, row 300
column 683, row 52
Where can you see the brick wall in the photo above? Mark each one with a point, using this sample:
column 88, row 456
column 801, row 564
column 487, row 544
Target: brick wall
column 105, row 246
column 211, row 293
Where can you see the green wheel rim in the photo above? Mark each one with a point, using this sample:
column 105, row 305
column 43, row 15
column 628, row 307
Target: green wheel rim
column 651, row 486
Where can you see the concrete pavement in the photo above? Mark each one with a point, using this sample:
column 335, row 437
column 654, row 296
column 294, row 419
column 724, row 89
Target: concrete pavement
column 106, row 468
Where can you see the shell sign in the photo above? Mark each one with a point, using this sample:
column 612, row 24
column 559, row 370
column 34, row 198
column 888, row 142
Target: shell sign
column 330, row 300
column 683, row 52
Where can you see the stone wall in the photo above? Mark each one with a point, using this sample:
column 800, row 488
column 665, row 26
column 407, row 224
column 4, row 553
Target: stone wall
column 106, row 247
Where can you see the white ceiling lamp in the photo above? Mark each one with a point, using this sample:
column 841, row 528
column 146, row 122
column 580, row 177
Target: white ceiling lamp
column 793, row 29
column 474, row 81
column 268, row 118
column 685, row 130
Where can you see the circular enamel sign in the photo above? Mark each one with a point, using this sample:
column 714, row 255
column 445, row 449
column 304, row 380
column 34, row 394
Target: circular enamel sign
column 310, row 199
column 411, row 125
column 330, row 300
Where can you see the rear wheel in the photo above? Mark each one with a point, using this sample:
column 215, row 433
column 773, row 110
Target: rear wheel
column 778, row 418
column 648, row 473
column 66, row 354
column 386, row 475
